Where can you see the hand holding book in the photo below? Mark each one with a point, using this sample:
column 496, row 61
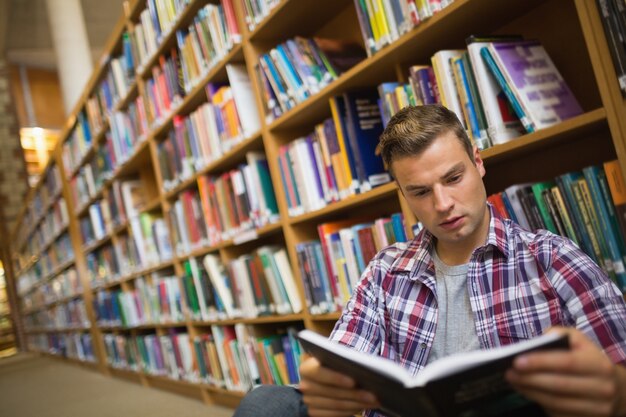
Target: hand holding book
column 467, row 384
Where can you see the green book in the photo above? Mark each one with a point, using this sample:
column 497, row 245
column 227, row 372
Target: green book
column 538, row 189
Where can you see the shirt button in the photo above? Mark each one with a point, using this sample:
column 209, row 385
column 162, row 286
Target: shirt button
column 423, row 345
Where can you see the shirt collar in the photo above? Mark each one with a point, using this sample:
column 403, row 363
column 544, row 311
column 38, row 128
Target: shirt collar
column 416, row 256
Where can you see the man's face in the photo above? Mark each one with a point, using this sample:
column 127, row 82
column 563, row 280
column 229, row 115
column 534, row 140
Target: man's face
column 444, row 189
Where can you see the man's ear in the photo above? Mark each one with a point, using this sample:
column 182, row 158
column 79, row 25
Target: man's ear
column 478, row 161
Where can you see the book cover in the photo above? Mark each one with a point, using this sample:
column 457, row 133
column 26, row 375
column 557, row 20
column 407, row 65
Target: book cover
column 364, row 127
column 465, row 384
column 535, row 80
column 502, row 123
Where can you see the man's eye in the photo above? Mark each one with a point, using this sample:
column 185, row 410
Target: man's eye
column 455, row 178
column 420, row 193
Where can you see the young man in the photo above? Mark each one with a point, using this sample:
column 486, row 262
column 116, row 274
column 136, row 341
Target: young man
column 470, row 280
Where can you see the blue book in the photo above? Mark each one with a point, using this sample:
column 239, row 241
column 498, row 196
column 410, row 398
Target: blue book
column 364, row 126
column 591, row 174
column 509, row 207
column 283, row 59
column 358, row 250
column 340, row 119
column 397, row 221
column 517, row 107
column 479, row 135
column 613, row 216
column 276, row 82
column 290, row 360
column 384, row 90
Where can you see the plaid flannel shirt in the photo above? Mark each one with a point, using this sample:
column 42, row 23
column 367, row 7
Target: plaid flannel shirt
column 520, row 283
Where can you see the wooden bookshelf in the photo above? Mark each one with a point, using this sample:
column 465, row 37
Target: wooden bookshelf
column 576, row 44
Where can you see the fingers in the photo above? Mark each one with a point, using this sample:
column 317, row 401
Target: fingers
column 311, row 370
column 330, row 394
column 569, row 406
column 564, row 385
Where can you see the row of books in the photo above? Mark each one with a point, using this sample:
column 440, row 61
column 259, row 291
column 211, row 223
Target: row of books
column 500, row 88
column 128, row 128
column 68, row 345
column 103, row 266
column 147, row 245
column 229, row 117
column 42, row 199
column 300, row 67
column 46, row 263
column 586, row 206
column 331, row 266
column 230, row 357
column 49, row 227
column 613, row 16
column 47, row 193
column 206, row 41
column 156, row 21
column 223, row 207
column 383, row 21
column 341, row 153
column 251, row 285
column 77, row 144
column 115, row 86
column 96, row 224
column 256, row 10
column 63, row 286
column 152, row 301
column 60, row 252
column 69, row 315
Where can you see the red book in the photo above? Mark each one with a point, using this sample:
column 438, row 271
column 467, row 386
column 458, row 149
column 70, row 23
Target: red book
column 366, row 241
column 498, row 203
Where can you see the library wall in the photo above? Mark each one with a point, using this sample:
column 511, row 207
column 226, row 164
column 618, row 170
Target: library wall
column 44, row 93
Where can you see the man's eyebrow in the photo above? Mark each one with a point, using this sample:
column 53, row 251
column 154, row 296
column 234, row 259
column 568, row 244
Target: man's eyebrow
column 460, row 167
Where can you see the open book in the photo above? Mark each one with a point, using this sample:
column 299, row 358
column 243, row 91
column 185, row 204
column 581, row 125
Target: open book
column 467, row 384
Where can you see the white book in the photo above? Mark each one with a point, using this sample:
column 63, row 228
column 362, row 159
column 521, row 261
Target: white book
column 133, row 196
column 501, row 128
column 162, row 240
column 169, row 357
column 445, row 80
column 281, row 301
column 249, row 308
column 186, row 356
column 288, row 280
column 245, row 101
column 247, row 346
column 347, row 235
column 218, row 336
column 218, row 278
column 118, row 77
column 520, row 214
column 209, row 115
column 179, row 213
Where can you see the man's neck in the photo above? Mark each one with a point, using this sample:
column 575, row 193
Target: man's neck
column 459, row 253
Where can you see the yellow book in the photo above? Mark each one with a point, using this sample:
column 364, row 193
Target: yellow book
column 381, row 20
column 343, row 163
column 281, row 366
column 372, row 18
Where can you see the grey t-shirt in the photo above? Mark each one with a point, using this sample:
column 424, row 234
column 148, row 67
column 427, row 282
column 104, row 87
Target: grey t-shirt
column 456, row 330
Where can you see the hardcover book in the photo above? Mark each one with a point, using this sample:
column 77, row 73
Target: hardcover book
column 464, row 384
column 536, row 83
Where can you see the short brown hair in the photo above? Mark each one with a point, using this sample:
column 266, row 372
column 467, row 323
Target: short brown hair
column 414, row 128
